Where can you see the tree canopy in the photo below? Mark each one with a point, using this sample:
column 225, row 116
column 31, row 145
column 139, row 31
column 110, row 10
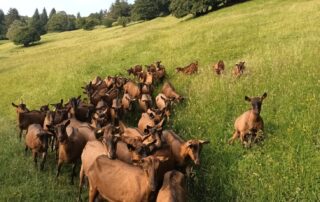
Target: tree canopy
column 20, row 33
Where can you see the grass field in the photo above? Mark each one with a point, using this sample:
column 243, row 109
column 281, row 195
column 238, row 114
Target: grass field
column 278, row 39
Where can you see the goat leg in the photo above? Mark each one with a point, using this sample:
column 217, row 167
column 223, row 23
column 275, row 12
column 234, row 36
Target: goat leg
column 35, row 154
column 73, row 173
column 81, row 175
column 234, row 136
column 59, row 168
column 44, row 157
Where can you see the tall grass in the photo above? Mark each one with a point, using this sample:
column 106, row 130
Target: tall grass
column 277, row 39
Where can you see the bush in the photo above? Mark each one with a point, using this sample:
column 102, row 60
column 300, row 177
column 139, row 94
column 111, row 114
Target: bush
column 20, row 33
column 90, row 23
column 123, row 21
column 107, row 22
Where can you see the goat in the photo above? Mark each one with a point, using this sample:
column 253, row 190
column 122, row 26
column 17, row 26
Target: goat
column 37, row 141
column 218, row 67
column 238, row 69
column 126, row 102
column 129, row 183
column 173, row 188
column 93, row 149
column 164, row 104
column 71, row 143
column 189, row 69
column 132, row 89
column 134, row 70
column 26, row 117
column 250, row 122
column 183, row 150
column 169, row 91
column 145, row 102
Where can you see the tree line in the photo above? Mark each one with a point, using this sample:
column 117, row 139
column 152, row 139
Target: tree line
column 25, row 30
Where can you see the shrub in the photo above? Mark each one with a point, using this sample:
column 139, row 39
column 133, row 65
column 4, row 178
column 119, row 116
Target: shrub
column 123, row 21
column 20, row 33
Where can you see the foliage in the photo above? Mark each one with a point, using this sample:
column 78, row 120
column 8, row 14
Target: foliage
column 61, row 22
column 80, row 21
column 52, row 12
column 123, row 21
column 120, row 8
column 20, row 33
column 181, row 8
column 36, row 22
column 3, row 28
column 12, row 15
column 90, row 23
column 149, row 9
column 44, row 20
column 107, row 22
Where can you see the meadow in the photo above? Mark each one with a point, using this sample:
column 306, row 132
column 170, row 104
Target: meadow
column 278, row 39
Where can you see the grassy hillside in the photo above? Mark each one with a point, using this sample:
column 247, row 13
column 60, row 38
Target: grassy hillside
column 279, row 40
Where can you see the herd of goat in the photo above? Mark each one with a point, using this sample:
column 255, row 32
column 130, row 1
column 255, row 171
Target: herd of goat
column 121, row 163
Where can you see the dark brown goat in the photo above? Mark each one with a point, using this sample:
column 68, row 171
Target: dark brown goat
column 218, row 68
column 189, row 69
column 134, row 70
column 250, row 122
column 238, row 69
column 26, row 117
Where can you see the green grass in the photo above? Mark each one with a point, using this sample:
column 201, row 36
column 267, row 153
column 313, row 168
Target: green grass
column 279, row 40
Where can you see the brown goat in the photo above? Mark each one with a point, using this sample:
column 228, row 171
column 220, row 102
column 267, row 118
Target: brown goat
column 238, row 69
column 119, row 181
column 71, row 143
column 169, row 91
column 132, row 89
column 189, row 69
column 173, row 188
column 183, row 151
column 250, row 122
column 164, row 104
column 145, row 102
column 26, row 117
column 134, row 70
column 126, row 102
column 91, row 151
column 218, row 67
column 37, row 141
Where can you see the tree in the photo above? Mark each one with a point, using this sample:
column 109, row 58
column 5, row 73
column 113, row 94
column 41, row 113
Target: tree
column 145, row 9
column 107, row 22
column 58, row 22
column 3, row 28
column 80, row 21
column 123, row 21
column 35, row 22
column 20, row 33
column 180, row 8
column 52, row 12
column 44, row 21
column 12, row 15
column 90, row 23
column 120, row 8
column 71, row 23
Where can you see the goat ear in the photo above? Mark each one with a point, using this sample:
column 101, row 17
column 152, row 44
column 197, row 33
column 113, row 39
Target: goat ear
column 246, row 98
column 188, row 143
column 204, row 141
column 14, row 105
column 264, row 96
